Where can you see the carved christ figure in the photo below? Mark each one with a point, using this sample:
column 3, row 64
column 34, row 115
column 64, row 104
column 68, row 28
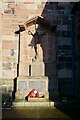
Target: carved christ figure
column 37, row 37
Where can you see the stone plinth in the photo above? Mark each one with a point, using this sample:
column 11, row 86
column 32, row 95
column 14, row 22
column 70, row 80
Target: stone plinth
column 26, row 84
column 33, row 104
column 37, row 69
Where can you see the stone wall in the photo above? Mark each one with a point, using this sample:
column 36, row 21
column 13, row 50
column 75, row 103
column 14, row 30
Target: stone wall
column 15, row 13
column 12, row 15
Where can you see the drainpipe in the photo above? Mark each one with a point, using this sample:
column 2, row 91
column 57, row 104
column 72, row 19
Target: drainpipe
column 73, row 57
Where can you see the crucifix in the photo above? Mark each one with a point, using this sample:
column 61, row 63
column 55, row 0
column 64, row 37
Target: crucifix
column 38, row 37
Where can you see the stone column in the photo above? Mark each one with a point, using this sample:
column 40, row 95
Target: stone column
column 23, row 64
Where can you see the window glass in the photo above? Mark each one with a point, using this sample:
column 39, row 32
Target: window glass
column 64, row 41
column 65, row 59
column 64, row 47
column 64, row 65
column 66, row 33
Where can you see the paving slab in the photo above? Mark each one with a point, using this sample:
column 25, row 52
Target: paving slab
column 34, row 113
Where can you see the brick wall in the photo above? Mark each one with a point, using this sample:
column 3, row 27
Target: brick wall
column 14, row 14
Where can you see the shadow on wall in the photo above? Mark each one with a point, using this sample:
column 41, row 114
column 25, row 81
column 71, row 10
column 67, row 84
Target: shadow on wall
column 15, row 88
column 44, row 37
column 48, row 45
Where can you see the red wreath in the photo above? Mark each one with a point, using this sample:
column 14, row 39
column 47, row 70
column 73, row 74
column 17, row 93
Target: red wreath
column 33, row 93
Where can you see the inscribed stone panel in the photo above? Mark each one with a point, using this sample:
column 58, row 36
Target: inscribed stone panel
column 21, row 85
column 41, row 85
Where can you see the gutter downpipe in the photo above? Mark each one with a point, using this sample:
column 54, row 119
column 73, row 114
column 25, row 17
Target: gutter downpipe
column 73, row 58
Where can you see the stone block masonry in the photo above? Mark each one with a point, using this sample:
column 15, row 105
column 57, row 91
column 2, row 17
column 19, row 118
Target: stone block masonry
column 26, row 84
column 16, row 13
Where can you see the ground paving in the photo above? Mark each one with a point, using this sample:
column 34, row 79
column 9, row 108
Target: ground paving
column 36, row 113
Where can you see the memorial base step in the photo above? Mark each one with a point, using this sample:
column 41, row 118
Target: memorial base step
column 38, row 100
column 22, row 103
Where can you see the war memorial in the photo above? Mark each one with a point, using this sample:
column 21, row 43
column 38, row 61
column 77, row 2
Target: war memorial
column 35, row 31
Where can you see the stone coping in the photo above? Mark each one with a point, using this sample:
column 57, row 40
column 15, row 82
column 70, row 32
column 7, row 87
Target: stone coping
column 34, row 77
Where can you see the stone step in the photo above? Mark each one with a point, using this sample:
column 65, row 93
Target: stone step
column 33, row 100
column 38, row 100
column 33, row 104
